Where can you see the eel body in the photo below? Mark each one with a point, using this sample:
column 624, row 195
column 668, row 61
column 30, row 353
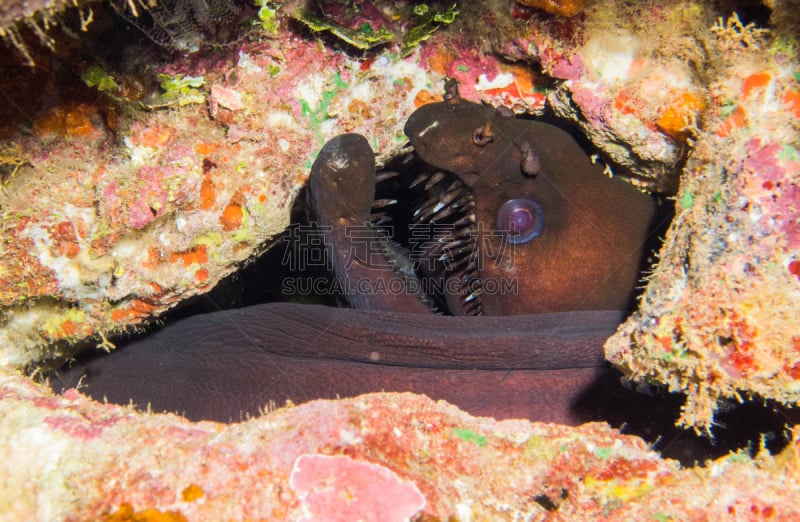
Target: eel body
column 228, row 365
column 531, row 355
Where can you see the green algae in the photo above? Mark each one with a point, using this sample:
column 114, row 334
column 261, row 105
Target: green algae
column 470, row 436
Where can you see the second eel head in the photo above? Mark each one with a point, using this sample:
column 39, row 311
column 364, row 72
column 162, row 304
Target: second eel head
column 547, row 223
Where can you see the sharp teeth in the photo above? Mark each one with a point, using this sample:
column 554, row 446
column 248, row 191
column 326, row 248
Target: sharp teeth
column 381, row 220
column 471, row 297
column 450, row 253
column 452, row 245
column 462, row 201
column 380, row 203
column 455, row 185
column 452, row 195
column 468, row 219
column 386, row 174
column 426, row 207
column 457, row 264
column 467, row 275
column 446, row 200
column 451, row 209
column 472, row 305
column 457, row 254
column 419, row 179
column 436, row 178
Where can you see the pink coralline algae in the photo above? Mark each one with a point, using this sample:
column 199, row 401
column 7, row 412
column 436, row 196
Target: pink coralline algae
column 224, row 97
column 151, row 201
column 569, row 67
column 772, row 171
column 339, row 488
column 74, row 427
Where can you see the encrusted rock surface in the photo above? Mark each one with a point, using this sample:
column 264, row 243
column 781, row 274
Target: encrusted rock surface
column 720, row 313
column 110, row 218
column 68, row 458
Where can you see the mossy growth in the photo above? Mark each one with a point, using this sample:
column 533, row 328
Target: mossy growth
column 267, row 16
column 180, row 90
column 424, row 20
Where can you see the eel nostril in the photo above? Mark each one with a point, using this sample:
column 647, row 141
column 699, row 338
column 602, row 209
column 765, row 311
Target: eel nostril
column 483, row 136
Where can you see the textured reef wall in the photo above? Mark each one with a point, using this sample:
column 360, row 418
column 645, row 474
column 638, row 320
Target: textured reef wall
column 377, row 457
column 116, row 208
column 720, row 314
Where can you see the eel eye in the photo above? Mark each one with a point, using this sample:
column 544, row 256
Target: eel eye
column 520, row 220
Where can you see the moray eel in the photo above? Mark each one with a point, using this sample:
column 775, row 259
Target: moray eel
column 571, row 237
column 497, row 182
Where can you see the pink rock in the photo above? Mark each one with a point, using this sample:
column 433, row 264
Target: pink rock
column 227, row 98
column 339, row 488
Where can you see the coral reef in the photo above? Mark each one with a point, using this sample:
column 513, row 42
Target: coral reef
column 118, row 203
column 720, row 313
column 383, row 456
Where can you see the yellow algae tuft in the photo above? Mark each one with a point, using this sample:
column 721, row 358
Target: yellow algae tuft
column 192, row 492
column 126, row 513
column 63, row 325
column 557, row 7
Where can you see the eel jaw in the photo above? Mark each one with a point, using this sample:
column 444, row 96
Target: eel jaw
column 430, row 218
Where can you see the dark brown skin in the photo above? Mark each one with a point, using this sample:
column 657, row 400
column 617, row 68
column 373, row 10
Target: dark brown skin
column 227, row 365
column 341, row 191
column 588, row 254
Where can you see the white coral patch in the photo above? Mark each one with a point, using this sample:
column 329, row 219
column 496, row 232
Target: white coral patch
column 281, row 119
column 500, row 81
column 310, row 90
column 609, row 55
column 76, row 276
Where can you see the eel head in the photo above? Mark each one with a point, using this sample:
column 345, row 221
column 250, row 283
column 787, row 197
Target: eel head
column 346, row 165
column 549, row 225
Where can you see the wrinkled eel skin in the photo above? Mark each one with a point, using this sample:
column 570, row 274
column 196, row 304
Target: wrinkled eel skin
column 228, row 365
